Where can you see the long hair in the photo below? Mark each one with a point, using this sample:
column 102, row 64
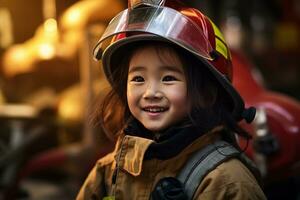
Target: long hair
column 208, row 103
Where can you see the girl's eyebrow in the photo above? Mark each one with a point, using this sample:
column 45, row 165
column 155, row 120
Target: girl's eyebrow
column 164, row 67
column 172, row 68
column 136, row 68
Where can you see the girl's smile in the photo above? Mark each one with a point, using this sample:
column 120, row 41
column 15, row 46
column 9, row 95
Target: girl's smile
column 155, row 109
column 156, row 88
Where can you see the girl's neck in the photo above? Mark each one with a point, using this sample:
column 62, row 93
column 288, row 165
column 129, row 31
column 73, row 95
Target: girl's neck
column 134, row 127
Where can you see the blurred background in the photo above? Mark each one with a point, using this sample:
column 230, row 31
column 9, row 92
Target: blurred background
column 50, row 85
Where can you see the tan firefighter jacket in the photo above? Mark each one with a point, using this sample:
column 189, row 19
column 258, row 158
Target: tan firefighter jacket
column 135, row 178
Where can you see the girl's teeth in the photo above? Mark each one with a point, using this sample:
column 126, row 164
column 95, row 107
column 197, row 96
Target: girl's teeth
column 155, row 109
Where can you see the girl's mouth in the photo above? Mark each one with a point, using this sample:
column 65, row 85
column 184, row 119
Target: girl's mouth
column 155, row 109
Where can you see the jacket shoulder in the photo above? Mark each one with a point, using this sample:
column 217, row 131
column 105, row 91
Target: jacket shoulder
column 230, row 180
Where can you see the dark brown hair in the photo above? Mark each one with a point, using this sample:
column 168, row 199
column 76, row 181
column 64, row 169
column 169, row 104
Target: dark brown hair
column 209, row 104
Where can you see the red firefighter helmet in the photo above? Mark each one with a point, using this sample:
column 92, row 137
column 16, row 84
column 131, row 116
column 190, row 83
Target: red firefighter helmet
column 173, row 22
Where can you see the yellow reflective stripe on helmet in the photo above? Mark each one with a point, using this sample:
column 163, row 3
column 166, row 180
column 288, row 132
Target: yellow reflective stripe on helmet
column 220, row 41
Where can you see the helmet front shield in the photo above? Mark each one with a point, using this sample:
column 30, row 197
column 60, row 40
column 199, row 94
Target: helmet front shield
column 164, row 22
column 136, row 3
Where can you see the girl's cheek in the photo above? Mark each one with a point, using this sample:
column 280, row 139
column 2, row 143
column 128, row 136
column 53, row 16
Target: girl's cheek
column 178, row 93
column 132, row 91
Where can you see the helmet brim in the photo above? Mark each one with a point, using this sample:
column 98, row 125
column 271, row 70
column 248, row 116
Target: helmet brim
column 161, row 21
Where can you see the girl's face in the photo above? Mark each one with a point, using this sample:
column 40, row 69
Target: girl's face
column 157, row 88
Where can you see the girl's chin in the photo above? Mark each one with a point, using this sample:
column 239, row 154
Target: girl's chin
column 155, row 129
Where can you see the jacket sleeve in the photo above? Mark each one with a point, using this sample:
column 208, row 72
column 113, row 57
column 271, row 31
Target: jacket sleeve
column 93, row 187
column 230, row 180
column 234, row 191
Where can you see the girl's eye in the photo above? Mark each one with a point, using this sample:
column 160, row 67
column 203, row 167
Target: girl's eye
column 169, row 78
column 137, row 79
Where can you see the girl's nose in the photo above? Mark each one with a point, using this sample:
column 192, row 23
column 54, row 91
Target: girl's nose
column 152, row 92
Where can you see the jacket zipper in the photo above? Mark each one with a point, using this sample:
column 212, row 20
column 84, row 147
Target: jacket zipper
column 116, row 170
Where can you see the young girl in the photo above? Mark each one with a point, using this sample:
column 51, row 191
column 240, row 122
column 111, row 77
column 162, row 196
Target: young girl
column 169, row 69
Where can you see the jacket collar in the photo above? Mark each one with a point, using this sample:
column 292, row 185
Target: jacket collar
column 130, row 154
column 134, row 150
column 169, row 142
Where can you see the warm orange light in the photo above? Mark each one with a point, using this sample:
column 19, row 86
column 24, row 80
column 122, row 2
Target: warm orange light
column 70, row 108
column 50, row 26
column 18, row 53
column 46, row 50
column 17, row 60
column 73, row 17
